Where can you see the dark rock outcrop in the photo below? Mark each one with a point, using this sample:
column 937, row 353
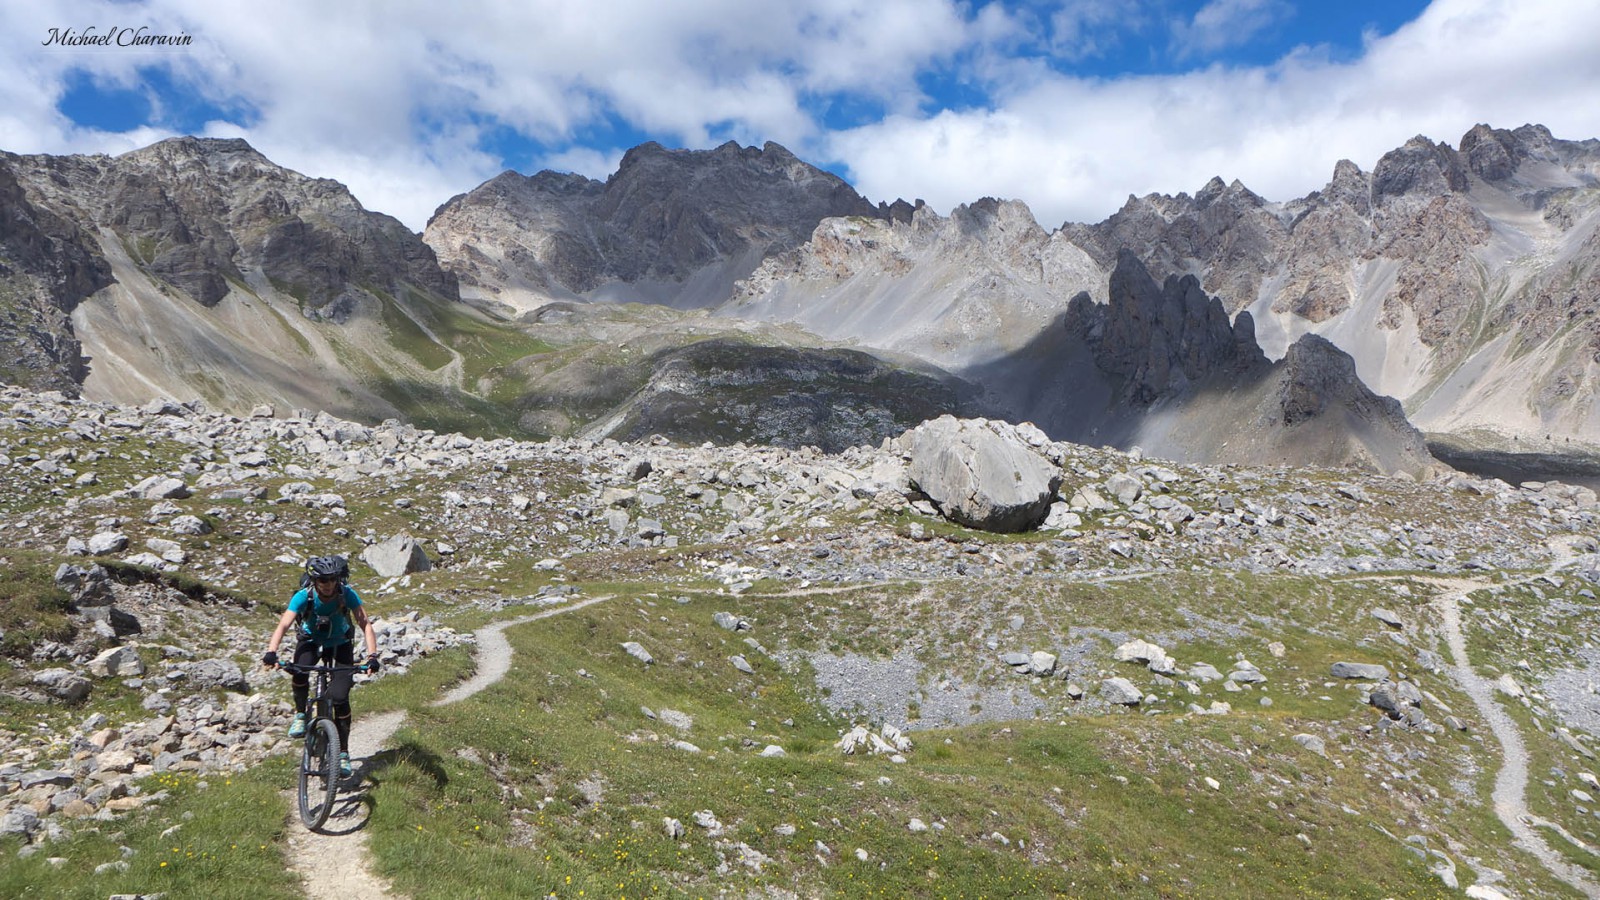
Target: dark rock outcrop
column 725, row 391
column 47, row 267
column 1159, row 341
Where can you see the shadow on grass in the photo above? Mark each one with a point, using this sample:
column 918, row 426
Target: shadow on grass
column 355, row 806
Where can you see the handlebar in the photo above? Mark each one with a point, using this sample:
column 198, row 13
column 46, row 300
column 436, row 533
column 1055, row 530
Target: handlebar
column 293, row 668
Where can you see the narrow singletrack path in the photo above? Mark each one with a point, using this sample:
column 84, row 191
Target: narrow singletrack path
column 334, row 863
column 1511, row 782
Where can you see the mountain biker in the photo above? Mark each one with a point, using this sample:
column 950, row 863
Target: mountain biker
column 317, row 613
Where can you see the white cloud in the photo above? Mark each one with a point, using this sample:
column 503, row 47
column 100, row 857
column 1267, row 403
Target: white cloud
column 1075, row 148
column 584, row 161
column 393, row 98
column 399, row 100
column 1086, row 29
column 1221, row 24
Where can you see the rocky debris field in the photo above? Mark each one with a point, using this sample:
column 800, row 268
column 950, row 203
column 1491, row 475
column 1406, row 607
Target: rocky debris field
column 175, row 534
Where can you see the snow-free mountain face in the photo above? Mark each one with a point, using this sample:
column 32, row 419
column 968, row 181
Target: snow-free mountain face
column 677, row 227
column 1462, row 280
column 199, row 269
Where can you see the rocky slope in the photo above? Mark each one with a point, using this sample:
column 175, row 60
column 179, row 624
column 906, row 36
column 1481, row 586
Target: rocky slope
column 1462, row 281
column 1182, row 381
column 1458, row 279
column 670, row 226
column 47, row 267
column 1268, row 642
column 198, row 268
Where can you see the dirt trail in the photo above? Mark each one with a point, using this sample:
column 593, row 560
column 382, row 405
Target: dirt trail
column 334, row 863
column 1511, row 783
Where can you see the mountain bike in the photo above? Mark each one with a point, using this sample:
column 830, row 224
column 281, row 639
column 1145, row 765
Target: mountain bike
column 319, row 758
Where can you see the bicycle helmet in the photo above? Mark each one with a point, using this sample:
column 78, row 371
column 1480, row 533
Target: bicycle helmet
column 328, row 567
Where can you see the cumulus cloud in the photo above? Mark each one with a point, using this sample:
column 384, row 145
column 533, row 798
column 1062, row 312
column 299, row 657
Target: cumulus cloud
column 1074, row 148
column 397, row 99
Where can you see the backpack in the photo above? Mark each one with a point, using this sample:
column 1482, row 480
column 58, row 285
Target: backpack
column 322, row 626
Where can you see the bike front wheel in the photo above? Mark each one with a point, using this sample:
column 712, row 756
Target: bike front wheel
column 319, row 772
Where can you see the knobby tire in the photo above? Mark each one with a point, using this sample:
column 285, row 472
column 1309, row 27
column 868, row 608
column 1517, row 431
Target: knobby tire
column 319, row 773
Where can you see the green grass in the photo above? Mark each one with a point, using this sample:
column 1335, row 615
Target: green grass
column 220, row 836
column 1103, row 805
column 408, row 336
column 32, row 607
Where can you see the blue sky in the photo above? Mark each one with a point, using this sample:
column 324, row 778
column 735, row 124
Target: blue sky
column 1069, row 106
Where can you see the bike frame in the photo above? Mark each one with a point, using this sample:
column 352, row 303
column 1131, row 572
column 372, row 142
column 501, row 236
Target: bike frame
column 320, row 754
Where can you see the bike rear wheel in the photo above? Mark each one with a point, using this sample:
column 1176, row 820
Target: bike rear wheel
column 319, row 772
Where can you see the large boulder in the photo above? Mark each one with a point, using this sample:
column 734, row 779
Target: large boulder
column 399, row 555
column 216, row 674
column 981, row 474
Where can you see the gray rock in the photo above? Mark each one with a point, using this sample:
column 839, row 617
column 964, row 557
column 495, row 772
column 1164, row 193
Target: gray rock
column 46, row 778
column 1121, row 691
column 216, row 674
column 742, row 664
column 1364, row 671
column 1385, row 698
column 400, row 555
column 637, row 651
column 1042, row 663
column 1313, row 743
column 1087, row 498
column 160, row 487
column 730, row 622
column 1126, row 488
column 108, row 542
column 145, row 561
column 63, row 684
column 20, row 821
column 117, row 662
column 88, row 587
column 1388, row 618
column 981, row 476
column 112, row 622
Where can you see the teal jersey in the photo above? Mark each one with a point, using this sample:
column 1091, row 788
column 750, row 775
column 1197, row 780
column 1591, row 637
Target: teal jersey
column 323, row 621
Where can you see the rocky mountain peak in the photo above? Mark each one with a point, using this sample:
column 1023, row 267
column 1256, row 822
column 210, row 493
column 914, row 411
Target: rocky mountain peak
column 1317, row 373
column 1492, row 154
column 671, row 226
column 1421, row 167
column 1349, row 186
column 1235, row 192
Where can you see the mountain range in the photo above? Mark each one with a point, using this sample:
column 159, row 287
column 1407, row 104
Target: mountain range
column 1459, row 281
